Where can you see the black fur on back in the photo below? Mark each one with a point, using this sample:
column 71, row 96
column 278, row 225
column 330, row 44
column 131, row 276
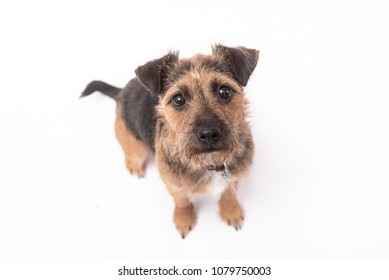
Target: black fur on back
column 138, row 111
column 136, row 104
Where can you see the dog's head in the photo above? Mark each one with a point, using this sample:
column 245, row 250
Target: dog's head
column 201, row 101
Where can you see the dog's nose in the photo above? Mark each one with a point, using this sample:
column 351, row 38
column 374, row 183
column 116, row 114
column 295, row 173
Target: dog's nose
column 208, row 134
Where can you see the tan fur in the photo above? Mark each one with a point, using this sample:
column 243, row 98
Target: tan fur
column 183, row 166
column 184, row 216
column 135, row 151
column 175, row 141
column 191, row 114
column 230, row 210
column 181, row 124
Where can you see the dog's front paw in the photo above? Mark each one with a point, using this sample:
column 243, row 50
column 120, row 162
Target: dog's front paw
column 184, row 219
column 232, row 213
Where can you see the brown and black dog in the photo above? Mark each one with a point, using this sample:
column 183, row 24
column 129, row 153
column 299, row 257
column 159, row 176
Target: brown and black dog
column 191, row 114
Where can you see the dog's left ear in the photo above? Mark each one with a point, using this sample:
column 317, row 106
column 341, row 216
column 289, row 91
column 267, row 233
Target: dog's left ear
column 153, row 73
column 242, row 61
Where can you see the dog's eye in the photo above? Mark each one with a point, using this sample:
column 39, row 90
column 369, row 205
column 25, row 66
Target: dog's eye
column 178, row 100
column 225, row 92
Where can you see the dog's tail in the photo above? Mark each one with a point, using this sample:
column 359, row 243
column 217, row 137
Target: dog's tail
column 102, row 87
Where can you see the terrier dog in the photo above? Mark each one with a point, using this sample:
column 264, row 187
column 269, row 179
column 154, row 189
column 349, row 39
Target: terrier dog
column 191, row 114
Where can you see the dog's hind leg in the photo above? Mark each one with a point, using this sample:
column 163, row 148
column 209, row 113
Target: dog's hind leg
column 135, row 151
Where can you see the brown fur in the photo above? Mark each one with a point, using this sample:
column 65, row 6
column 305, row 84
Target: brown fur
column 230, row 209
column 135, row 151
column 176, row 125
column 149, row 121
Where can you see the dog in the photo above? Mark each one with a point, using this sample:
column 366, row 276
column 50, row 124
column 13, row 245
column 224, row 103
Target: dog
column 191, row 114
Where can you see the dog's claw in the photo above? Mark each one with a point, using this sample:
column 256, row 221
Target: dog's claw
column 184, row 219
column 237, row 224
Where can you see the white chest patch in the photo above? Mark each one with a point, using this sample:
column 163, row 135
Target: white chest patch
column 218, row 183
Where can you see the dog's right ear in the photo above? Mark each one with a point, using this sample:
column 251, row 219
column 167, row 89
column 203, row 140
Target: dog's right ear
column 153, row 73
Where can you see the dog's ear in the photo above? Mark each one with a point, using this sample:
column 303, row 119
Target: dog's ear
column 153, row 73
column 241, row 61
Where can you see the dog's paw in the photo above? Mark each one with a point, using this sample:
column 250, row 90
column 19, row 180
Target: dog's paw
column 232, row 214
column 184, row 219
column 136, row 169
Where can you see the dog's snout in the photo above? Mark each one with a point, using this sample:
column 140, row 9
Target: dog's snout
column 208, row 134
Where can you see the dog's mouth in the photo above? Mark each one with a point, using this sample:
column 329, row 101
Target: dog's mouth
column 209, row 150
column 210, row 156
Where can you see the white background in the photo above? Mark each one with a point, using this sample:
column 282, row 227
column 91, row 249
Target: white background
column 319, row 111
